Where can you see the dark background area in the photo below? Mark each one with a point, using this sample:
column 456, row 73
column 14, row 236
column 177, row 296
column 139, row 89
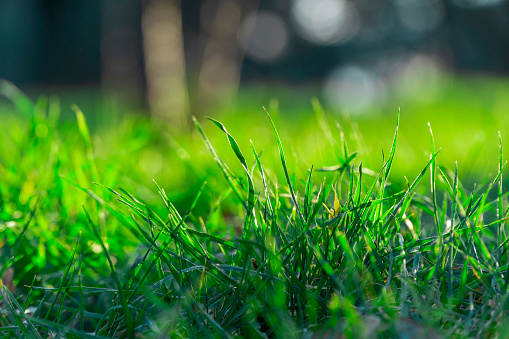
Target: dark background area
column 60, row 42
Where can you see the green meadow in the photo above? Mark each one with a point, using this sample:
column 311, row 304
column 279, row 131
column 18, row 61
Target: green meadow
column 272, row 217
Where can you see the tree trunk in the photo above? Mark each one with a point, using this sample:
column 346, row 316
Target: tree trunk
column 121, row 59
column 222, row 59
column 164, row 62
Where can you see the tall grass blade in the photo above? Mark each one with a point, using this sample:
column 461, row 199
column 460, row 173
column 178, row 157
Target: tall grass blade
column 87, row 141
column 238, row 153
column 283, row 162
column 120, row 291
column 220, row 163
column 22, row 103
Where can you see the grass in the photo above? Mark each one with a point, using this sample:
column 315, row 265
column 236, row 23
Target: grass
column 242, row 242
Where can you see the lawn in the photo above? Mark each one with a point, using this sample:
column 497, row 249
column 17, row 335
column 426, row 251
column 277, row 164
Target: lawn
column 292, row 221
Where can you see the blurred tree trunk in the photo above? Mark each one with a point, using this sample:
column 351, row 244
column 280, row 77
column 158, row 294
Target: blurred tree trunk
column 164, row 61
column 121, row 59
column 219, row 75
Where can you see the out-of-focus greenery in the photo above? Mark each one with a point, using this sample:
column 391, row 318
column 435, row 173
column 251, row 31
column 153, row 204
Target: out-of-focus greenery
column 49, row 164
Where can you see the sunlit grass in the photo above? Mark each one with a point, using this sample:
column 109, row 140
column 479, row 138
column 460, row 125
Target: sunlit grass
column 258, row 226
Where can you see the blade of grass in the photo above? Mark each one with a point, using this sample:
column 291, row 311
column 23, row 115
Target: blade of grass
column 85, row 135
column 121, row 293
column 220, row 163
column 238, row 153
column 17, row 97
column 283, row 162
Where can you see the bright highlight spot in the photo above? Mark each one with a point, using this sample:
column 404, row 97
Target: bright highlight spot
column 353, row 88
column 182, row 153
column 325, row 22
column 474, row 4
column 421, row 78
column 264, row 36
column 420, row 16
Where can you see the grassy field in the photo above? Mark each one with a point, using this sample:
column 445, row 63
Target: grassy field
column 287, row 223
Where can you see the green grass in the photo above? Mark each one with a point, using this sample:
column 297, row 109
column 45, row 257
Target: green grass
column 288, row 234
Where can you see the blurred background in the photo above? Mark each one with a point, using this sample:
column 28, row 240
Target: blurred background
column 192, row 55
column 442, row 61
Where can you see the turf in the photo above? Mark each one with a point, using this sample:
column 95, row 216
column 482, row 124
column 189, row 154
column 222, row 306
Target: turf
column 243, row 237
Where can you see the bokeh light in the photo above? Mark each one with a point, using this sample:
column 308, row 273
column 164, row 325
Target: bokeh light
column 325, row 22
column 353, row 89
column 474, row 4
column 420, row 15
column 264, row 36
column 422, row 77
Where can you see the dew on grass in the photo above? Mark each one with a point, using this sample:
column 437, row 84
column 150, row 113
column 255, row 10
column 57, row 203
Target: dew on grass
column 182, row 153
column 96, row 247
column 11, row 223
